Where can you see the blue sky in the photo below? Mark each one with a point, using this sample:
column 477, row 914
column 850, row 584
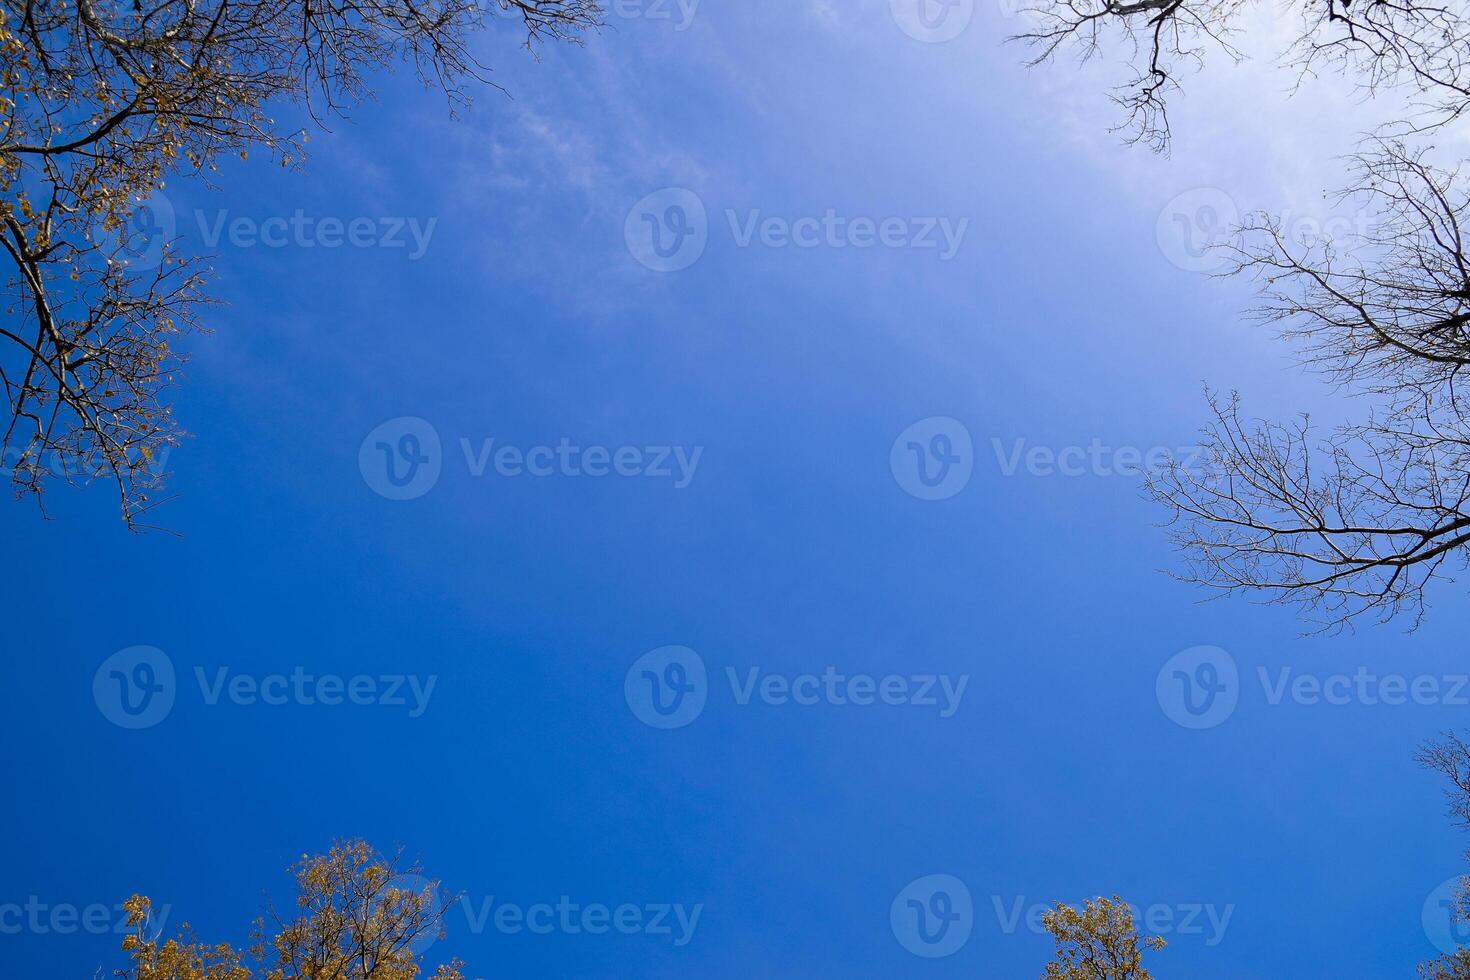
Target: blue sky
column 1289, row 837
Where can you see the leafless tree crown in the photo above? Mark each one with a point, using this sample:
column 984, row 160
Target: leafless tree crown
column 1357, row 520
column 1424, row 47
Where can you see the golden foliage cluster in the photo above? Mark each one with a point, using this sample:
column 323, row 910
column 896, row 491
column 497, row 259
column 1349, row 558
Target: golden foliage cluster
column 359, row 916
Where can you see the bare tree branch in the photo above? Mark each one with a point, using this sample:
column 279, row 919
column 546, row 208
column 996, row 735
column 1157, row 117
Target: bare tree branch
column 1359, row 520
column 1415, row 45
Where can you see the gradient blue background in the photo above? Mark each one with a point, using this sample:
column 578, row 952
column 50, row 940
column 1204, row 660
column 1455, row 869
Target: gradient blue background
column 1060, row 321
